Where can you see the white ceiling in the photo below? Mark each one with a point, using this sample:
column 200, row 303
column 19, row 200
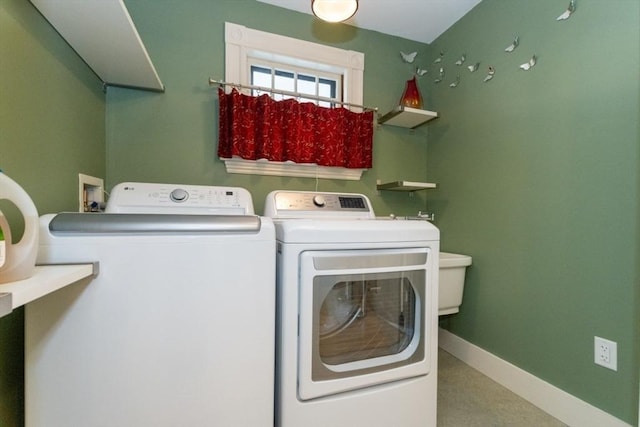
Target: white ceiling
column 419, row 20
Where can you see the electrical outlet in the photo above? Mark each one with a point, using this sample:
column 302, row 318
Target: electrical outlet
column 90, row 193
column 605, row 353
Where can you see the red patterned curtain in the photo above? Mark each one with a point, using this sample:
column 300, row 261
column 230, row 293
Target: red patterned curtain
column 260, row 128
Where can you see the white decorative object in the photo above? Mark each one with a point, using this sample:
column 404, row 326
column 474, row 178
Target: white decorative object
column 513, row 44
column 490, row 74
column 529, row 64
column 567, row 13
column 408, row 57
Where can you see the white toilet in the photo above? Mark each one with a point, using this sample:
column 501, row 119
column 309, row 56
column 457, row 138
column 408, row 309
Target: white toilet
column 452, row 271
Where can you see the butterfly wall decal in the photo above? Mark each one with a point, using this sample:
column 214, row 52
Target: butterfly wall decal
column 529, row 64
column 567, row 13
column 408, row 57
column 513, row 45
column 490, row 74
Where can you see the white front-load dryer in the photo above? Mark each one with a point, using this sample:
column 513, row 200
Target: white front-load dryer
column 356, row 314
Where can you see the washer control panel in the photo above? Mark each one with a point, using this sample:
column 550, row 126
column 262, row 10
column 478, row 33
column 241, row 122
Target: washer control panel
column 309, row 204
column 141, row 197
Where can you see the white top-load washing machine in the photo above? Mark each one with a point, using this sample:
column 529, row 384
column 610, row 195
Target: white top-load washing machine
column 357, row 311
column 177, row 329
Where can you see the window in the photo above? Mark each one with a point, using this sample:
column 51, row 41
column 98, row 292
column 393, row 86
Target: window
column 299, row 80
column 304, row 68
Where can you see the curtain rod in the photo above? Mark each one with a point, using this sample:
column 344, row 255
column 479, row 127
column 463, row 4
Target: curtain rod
column 220, row 83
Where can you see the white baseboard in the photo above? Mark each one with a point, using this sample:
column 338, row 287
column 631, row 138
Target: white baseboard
column 557, row 403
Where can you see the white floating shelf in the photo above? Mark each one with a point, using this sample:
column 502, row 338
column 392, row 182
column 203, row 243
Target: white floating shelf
column 405, row 186
column 104, row 35
column 46, row 279
column 407, row 117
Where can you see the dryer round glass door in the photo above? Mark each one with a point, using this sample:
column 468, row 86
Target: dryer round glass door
column 341, row 307
column 362, row 314
column 364, row 319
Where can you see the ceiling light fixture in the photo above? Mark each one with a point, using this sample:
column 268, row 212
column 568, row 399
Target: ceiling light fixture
column 334, row 10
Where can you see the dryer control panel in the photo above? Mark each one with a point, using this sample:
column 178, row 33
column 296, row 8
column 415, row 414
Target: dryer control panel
column 143, row 197
column 310, row 204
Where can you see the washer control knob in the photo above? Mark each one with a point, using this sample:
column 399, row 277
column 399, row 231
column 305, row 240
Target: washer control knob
column 319, row 201
column 179, row 195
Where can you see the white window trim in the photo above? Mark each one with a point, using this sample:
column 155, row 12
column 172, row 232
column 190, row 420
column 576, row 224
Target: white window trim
column 305, row 170
column 242, row 42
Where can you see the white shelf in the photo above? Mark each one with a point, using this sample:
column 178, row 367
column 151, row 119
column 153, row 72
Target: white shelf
column 405, row 186
column 46, row 279
column 407, row 117
column 104, row 35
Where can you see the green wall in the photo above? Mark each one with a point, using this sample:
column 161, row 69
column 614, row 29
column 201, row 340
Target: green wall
column 172, row 137
column 538, row 172
column 539, row 182
column 52, row 113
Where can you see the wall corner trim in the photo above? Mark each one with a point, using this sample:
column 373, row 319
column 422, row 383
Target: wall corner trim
column 556, row 402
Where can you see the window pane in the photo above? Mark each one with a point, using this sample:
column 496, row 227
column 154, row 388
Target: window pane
column 296, row 80
column 283, row 80
column 307, row 84
column 327, row 88
column 260, row 76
